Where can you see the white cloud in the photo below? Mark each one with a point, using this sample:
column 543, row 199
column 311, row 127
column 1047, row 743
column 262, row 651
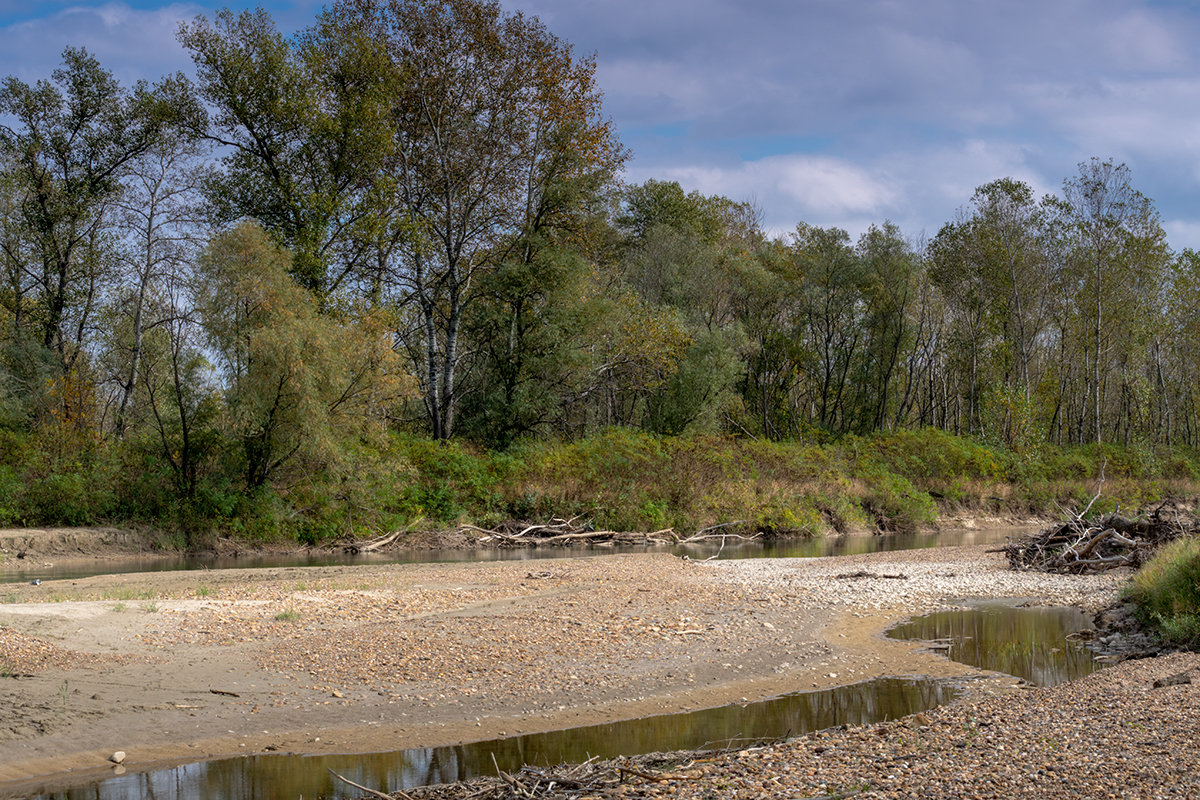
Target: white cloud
column 1183, row 233
column 810, row 183
column 918, row 189
column 1138, row 40
column 133, row 43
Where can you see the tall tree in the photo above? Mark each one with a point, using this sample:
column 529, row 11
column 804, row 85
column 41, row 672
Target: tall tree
column 299, row 383
column 493, row 117
column 891, row 272
column 1117, row 243
column 994, row 266
column 67, row 143
column 303, row 130
column 158, row 216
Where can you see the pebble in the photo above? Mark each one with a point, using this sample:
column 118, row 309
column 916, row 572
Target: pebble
column 1107, row 735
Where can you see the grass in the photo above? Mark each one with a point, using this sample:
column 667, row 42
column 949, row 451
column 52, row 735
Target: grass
column 289, row 615
column 1166, row 592
column 149, row 608
column 203, row 591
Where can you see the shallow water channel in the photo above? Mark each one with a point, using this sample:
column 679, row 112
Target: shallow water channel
column 1027, row 642
column 278, row 777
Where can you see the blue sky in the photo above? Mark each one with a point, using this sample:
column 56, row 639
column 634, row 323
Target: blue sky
column 832, row 112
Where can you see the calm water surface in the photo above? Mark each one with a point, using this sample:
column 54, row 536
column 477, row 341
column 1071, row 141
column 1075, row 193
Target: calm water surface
column 1028, row 643
column 14, row 570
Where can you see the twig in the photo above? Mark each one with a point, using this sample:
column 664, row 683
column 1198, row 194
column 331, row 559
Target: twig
column 1099, row 488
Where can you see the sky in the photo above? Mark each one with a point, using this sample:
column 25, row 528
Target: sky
column 839, row 113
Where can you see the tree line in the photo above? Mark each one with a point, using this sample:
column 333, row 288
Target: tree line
column 410, row 216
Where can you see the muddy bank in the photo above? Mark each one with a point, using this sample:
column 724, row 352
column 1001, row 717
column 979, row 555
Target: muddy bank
column 196, row 665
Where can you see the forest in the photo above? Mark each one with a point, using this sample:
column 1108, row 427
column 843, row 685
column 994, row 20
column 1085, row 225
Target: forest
column 388, row 268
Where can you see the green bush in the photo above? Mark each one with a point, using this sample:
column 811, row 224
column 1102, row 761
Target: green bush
column 1166, row 592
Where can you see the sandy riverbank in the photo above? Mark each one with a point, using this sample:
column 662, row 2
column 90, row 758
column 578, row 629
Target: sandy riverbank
column 380, row 657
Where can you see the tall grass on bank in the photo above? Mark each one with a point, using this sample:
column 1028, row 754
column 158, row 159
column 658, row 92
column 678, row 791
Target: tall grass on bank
column 619, row 479
column 1166, row 592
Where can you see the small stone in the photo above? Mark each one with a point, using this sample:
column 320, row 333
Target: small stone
column 117, row 757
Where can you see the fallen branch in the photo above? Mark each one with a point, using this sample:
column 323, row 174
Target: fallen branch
column 381, row 542
column 646, row 776
column 564, row 532
column 590, row 779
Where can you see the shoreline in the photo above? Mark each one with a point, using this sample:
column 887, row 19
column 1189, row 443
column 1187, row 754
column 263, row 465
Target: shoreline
column 427, row 654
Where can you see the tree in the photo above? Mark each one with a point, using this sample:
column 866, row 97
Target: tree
column 494, row 117
column 530, row 326
column 1117, row 245
column 298, row 383
column 830, row 279
column 159, row 217
column 995, row 267
column 304, row 131
column 891, row 274
column 67, row 143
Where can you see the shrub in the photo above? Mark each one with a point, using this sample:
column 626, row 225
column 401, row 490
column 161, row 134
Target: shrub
column 1166, row 591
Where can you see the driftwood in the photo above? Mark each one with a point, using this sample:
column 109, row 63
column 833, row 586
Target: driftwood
column 1110, row 541
column 378, row 543
column 560, row 531
column 592, row 778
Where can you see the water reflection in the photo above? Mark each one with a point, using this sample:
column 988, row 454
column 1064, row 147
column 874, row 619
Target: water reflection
column 1029, row 643
column 277, row 777
column 852, row 545
column 20, row 571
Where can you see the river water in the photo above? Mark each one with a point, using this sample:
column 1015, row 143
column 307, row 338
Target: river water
column 13, row 570
column 281, row 777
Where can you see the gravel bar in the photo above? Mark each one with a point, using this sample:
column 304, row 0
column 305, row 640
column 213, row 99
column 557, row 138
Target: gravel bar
column 1110, row 735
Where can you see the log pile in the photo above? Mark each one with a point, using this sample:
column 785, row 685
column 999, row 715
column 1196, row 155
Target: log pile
column 1082, row 545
